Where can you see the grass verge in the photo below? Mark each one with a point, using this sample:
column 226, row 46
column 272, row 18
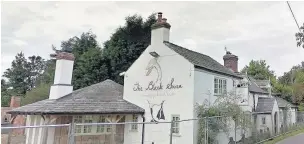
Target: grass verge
column 284, row 136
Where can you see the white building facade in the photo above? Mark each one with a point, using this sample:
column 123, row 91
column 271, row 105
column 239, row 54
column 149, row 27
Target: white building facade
column 168, row 83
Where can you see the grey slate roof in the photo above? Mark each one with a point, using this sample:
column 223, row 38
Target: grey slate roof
column 101, row 98
column 262, row 83
column 201, row 60
column 254, row 88
column 265, row 105
column 283, row 103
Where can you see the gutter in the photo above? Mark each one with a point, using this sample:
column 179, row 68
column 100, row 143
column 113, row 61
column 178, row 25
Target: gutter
column 68, row 113
column 230, row 75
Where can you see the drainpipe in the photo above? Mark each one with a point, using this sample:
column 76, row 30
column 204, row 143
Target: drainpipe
column 143, row 130
column 272, row 126
column 253, row 101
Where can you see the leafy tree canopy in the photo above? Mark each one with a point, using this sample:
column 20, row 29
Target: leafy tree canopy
column 300, row 37
column 38, row 93
column 258, row 70
column 127, row 43
column 23, row 73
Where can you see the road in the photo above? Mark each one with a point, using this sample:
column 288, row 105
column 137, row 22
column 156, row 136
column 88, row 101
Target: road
column 297, row 139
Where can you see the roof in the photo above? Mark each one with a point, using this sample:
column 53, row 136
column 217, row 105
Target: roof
column 201, row 61
column 262, row 83
column 265, row 105
column 101, row 98
column 254, row 88
column 283, row 103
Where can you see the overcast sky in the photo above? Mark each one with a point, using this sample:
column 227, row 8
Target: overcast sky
column 251, row 30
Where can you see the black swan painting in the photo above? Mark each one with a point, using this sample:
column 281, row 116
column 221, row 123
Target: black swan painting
column 160, row 114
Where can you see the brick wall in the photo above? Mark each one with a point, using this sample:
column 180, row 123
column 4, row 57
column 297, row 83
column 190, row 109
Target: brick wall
column 231, row 61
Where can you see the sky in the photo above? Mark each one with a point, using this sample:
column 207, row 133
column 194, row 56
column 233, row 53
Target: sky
column 250, row 30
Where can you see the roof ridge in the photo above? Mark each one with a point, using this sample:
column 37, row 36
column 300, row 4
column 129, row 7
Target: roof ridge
column 87, row 87
column 201, row 60
column 185, row 48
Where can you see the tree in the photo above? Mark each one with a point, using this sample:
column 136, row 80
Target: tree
column 289, row 77
column 300, row 37
column 291, row 84
column 38, row 93
column 18, row 75
column 127, row 43
column 229, row 117
column 258, row 70
column 47, row 77
column 298, row 87
column 34, row 68
column 23, row 73
column 89, row 65
column 93, row 64
column 5, row 97
column 90, row 68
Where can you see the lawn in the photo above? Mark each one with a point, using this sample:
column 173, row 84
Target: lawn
column 284, row 136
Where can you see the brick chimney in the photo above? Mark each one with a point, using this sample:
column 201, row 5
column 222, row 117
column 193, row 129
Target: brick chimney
column 63, row 74
column 160, row 30
column 231, row 61
column 19, row 119
column 15, row 101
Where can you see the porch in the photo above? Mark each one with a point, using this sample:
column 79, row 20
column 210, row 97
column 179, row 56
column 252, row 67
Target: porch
column 70, row 129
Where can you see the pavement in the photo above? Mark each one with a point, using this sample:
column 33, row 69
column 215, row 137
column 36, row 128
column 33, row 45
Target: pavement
column 297, row 139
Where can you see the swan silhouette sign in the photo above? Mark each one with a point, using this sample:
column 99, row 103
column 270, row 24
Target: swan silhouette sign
column 160, row 113
column 156, row 84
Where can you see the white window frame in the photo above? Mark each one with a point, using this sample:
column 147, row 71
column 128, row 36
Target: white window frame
column 91, row 129
column 108, row 127
column 220, row 86
column 87, row 128
column 175, row 125
column 134, row 127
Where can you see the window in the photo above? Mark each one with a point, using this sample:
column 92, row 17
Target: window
column 78, row 119
column 101, row 128
column 263, row 120
column 89, row 129
column 175, row 127
column 220, row 86
column 109, row 127
column 134, row 126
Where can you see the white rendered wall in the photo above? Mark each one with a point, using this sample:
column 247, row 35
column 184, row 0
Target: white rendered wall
column 58, row 91
column 63, row 78
column 268, row 122
column 64, row 71
column 176, row 101
column 204, row 92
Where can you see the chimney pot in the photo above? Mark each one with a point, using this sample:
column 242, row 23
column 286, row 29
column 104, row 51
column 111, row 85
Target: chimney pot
column 160, row 31
column 160, row 15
